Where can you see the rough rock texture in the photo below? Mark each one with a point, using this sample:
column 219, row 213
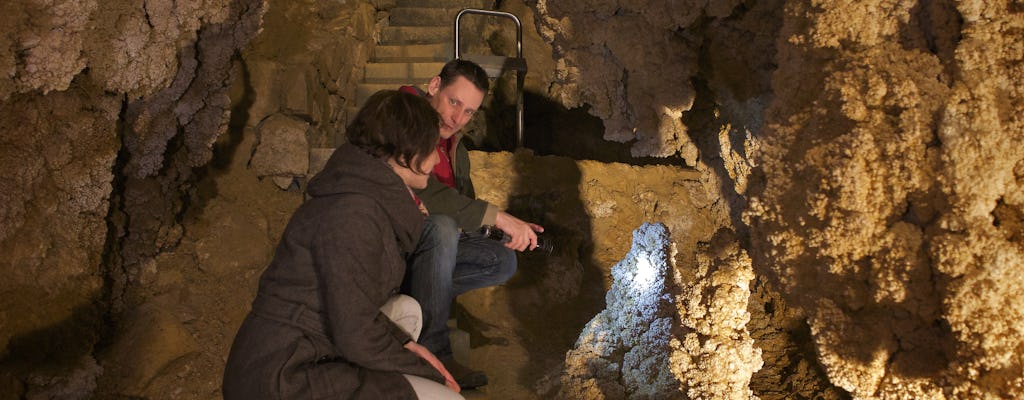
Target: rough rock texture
column 889, row 190
column 282, row 150
column 173, row 346
column 599, row 199
column 624, row 81
column 717, row 356
column 307, row 62
column 669, row 331
column 105, row 109
column 877, row 141
column 623, row 352
column 791, row 368
column 168, row 133
column 521, row 330
column 42, row 48
column 56, row 155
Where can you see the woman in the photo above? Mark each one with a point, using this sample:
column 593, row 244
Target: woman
column 323, row 321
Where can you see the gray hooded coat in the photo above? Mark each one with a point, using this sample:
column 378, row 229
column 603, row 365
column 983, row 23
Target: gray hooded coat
column 315, row 330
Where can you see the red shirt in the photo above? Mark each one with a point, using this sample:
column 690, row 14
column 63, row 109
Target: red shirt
column 443, row 170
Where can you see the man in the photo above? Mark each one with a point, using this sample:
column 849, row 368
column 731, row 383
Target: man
column 448, row 262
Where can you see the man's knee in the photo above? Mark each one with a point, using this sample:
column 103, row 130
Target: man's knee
column 507, row 264
column 440, row 230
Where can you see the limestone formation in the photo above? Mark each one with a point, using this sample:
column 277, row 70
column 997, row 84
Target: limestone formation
column 639, row 89
column 623, row 352
column 97, row 100
column 56, row 158
column 866, row 156
column 717, row 356
column 668, row 331
column 888, row 229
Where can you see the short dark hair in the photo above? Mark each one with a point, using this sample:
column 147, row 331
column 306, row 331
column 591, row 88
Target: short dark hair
column 466, row 69
column 395, row 124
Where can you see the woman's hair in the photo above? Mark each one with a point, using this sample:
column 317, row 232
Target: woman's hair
column 398, row 125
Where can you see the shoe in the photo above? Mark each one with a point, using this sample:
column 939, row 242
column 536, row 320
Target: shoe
column 466, row 377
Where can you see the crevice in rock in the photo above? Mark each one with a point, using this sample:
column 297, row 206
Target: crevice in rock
column 115, row 277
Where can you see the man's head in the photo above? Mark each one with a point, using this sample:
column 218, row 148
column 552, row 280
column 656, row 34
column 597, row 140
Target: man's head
column 456, row 93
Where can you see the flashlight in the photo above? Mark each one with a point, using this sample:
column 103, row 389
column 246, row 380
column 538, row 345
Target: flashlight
column 492, row 232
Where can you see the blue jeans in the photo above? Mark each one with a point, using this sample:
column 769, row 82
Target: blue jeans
column 445, row 264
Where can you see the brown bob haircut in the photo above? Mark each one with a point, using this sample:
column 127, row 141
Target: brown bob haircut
column 394, row 124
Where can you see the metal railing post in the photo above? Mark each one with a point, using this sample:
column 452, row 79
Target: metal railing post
column 520, row 78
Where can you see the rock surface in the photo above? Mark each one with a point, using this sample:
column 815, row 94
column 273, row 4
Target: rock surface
column 866, row 155
column 890, row 183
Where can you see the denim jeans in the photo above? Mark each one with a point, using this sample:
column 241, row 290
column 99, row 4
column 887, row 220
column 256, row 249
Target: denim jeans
column 445, row 264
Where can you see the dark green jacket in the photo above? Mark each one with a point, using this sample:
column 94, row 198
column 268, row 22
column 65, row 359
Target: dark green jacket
column 460, row 203
column 315, row 330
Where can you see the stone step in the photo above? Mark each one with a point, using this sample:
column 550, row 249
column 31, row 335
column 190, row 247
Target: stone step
column 401, row 71
column 413, row 52
column 423, row 16
column 456, row 4
column 416, row 34
column 459, row 341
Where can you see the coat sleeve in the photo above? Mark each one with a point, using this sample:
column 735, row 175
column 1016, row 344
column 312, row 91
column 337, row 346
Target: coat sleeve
column 354, row 257
column 469, row 214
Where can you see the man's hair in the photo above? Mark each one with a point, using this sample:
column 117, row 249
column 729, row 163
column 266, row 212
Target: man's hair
column 394, row 124
column 466, row 69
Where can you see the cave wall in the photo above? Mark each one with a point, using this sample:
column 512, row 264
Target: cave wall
column 56, row 154
column 868, row 154
column 105, row 109
column 889, row 189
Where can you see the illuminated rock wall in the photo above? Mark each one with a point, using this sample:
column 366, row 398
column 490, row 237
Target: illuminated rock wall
column 624, row 350
column 874, row 153
column 668, row 331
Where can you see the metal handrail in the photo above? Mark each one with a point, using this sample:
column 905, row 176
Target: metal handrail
column 519, row 55
column 519, row 27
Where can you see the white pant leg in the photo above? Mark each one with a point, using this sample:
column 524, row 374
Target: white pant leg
column 427, row 389
column 405, row 312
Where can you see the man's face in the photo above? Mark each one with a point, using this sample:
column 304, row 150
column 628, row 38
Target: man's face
column 455, row 103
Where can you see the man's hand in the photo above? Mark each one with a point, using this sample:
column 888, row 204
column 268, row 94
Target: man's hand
column 523, row 234
column 433, row 361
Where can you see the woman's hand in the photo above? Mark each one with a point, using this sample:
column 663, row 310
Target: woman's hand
column 433, row 361
column 523, row 234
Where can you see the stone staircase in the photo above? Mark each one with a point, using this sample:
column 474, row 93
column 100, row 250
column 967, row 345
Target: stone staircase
column 414, row 47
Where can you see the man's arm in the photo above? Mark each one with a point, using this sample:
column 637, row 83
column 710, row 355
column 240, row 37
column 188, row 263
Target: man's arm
column 469, row 214
column 523, row 234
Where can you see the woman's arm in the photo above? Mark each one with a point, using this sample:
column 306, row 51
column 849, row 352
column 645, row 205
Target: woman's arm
column 354, row 264
column 429, row 357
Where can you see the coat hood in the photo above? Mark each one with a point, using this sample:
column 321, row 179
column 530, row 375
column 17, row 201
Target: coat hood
column 352, row 171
